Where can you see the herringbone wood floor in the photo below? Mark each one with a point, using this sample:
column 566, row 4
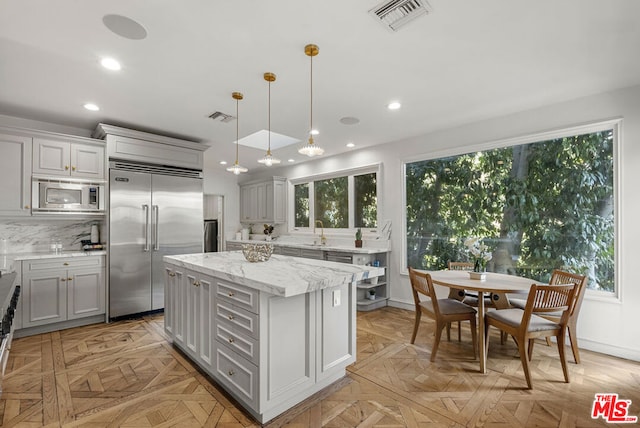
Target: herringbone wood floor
column 126, row 374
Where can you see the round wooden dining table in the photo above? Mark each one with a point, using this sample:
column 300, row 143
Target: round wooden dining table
column 494, row 283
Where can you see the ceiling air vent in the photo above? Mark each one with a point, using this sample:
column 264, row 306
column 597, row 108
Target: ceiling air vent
column 396, row 13
column 222, row 116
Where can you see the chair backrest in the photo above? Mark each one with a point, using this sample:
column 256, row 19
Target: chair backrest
column 421, row 284
column 549, row 298
column 460, row 266
column 562, row 277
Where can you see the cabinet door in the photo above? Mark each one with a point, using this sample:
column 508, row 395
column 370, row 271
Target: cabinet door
column 171, row 279
column 262, row 213
column 205, row 326
column 192, row 311
column 245, row 203
column 15, row 175
column 87, row 161
column 45, row 298
column 179, row 306
column 85, row 293
column 51, row 157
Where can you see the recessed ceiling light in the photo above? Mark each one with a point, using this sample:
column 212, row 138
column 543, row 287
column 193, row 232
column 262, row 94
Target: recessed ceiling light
column 223, row 162
column 350, row 145
column 394, row 105
column 91, row 107
column 314, row 132
column 110, row 64
column 291, row 160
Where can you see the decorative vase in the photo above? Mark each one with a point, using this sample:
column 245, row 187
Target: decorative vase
column 358, row 243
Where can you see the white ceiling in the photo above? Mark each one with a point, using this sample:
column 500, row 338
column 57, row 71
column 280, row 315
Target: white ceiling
column 466, row 61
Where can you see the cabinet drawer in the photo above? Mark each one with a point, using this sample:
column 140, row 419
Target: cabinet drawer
column 244, row 345
column 241, row 319
column 244, row 297
column 62, row 263
column 237, row 374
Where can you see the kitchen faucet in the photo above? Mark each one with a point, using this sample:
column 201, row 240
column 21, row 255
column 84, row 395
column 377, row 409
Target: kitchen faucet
column 323, row 239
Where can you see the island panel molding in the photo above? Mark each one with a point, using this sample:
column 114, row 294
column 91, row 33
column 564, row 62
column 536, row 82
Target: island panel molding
column 278, row 331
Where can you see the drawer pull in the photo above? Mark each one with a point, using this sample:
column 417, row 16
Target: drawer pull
column 197, row 283
column 172, row 274
column 231, row 340
column 26, row 207
column 231, row 372
column 231, row 294
column 66, row 167
column 73, row 168
column 69, row 279
column 63, row 279
column 231, row 317
column 65, row 264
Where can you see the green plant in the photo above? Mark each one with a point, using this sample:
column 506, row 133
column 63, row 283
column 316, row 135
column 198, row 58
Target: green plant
column 358, row 235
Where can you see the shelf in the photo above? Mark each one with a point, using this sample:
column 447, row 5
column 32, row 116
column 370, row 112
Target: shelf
column 366, row 285
column 367, row 302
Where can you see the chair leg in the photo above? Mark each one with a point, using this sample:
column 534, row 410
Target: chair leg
column 474, row 336
column 459, row 333
column 573, row 338
column 448, row 332
column 436, row 341
column 522, row 349
column 416, row 325
column 530, row 351
column 548, row 341
column 563, row 357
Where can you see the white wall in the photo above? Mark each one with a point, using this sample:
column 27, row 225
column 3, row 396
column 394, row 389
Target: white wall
column 605, row 325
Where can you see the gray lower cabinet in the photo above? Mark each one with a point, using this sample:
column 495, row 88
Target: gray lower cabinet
column 268, row 352
column 62, row 289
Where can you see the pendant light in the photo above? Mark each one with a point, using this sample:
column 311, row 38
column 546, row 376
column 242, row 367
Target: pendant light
column 236, row 168
column 268, row 159
column 311, row 149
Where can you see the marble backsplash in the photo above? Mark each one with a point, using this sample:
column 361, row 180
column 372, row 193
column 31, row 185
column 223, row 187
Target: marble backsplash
column 35, row 235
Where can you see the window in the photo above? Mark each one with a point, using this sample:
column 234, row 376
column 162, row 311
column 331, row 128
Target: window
column 538, row 206
column 343, row 200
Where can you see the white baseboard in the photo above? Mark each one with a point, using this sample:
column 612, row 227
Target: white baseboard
column 402, row 305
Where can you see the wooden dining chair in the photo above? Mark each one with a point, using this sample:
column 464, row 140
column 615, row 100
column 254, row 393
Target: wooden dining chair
column 442, row 311
column 562, row 277
column 457, row 294
column 525, row 325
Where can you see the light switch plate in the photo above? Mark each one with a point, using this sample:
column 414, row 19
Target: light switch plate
column 336, row 297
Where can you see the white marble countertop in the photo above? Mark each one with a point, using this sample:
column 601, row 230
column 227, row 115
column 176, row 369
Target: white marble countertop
column 341, row 248
column 49, row 255
column 280, row 275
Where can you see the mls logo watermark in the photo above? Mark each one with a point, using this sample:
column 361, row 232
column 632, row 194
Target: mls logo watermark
column 612, row 409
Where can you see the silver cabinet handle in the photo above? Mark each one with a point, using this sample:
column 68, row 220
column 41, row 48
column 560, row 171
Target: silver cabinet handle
column 146, row 227
column 156, row 239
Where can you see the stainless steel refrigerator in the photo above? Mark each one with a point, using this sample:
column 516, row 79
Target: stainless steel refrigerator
column 153, row 212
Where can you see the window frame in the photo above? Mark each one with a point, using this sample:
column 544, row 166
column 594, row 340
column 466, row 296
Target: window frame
column 613, row 124
column 349, row 173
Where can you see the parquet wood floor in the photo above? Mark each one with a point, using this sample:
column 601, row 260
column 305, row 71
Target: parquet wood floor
column 126, row 374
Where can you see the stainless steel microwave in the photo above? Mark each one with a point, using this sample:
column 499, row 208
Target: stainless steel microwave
column 61, row 196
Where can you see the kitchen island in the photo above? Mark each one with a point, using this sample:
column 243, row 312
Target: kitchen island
column 271, row 333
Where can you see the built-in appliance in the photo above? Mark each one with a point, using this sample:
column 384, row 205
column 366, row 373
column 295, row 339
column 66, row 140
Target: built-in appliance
column 66, row 196
column 210, row 236
column 153, row 211
column 9, row 295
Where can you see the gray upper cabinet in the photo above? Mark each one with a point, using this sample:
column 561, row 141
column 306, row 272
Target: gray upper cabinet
column 15, row 175
column 68, row 158
column 264, row 201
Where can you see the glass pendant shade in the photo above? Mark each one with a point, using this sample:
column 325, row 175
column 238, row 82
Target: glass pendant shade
column 311, row 149
column 236, row 168
column 268, row 159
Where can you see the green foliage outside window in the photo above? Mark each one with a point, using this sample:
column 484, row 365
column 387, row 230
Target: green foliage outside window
column 538, row 206
column 301, row 208
column 366, row 200
column 332, row 202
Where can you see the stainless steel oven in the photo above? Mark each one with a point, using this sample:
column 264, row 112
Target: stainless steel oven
column 62, row 196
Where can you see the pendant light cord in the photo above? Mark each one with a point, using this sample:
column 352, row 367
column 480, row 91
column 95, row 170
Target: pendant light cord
column 311, row 97
column 269, row 118
column 237, row 129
